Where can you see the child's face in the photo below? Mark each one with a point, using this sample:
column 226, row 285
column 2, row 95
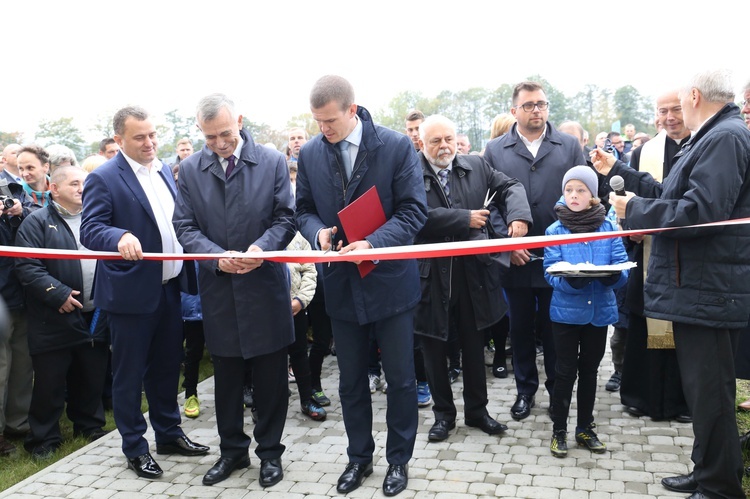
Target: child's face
column 577, row 196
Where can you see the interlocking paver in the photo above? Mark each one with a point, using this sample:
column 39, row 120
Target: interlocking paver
column 469, row 464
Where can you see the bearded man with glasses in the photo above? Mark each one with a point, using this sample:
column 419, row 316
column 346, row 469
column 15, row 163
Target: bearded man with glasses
column 538, row 155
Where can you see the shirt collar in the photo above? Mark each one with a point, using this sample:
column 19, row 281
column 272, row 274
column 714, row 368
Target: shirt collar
column 355, row 138
column 156, row 164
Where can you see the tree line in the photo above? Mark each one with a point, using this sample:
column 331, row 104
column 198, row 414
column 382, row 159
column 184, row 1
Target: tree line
column 472, row 110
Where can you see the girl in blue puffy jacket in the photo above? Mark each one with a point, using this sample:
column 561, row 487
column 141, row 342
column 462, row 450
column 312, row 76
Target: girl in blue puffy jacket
column 582, row 307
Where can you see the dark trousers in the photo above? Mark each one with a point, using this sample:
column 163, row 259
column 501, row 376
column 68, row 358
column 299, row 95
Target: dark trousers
column 579, row 350
column 78, row 372
column 529, row 310
column 146, row 354
column 271, row 396
column 472, row 343
column 706, row 359
column 298, row 357
column 194, row 342
column 321, row 345
column 395, row 338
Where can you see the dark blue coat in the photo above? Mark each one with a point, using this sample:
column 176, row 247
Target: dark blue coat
column 699, row 276
column 542, row 178
column 250, row 314
column 386, row 159
column 114, row 203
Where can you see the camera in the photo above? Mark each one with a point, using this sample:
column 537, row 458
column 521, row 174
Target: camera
column 7, row 202
column 608, row 147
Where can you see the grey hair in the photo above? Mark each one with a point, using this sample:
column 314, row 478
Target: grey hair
column 435, row 119
column 118, row 122
column 59, row 153
column 746, row 87
column 209, row 107
column 332, row 88
column 60, row 174
column 714, row 85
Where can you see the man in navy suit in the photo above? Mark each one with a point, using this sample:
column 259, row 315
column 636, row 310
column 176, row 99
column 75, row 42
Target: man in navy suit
column 350, row 156
column 127, row 207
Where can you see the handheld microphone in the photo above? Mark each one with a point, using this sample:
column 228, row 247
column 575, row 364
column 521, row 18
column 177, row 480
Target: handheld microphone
column 617, row 184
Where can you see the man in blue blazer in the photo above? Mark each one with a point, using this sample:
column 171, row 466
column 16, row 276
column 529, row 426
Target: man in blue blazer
column 350, row 156
column 127, row 207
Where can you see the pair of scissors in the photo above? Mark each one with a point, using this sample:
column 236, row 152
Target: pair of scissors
column 488, row 199
column 332, row 238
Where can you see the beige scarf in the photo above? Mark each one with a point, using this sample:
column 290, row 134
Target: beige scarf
column 660, row 334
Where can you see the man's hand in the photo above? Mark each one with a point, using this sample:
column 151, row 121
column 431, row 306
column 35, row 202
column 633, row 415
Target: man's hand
column 478, row 218
column 129, row 247
column 355, row 246
column 637, row 238
column 16, row 210
column 231, row 265
column 325, row 236
column 518, row 228
column 520, row 257
column 603, row 161
column 296, row 306
column 71, row 303
column 620, row 203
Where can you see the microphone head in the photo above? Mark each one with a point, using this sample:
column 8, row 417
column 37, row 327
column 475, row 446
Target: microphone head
column 617, row 183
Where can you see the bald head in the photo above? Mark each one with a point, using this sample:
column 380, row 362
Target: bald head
column 9, row 160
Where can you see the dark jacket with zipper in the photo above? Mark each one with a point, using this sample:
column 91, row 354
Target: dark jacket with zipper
column 47, row 284
column 699, row 276
column 448, row 221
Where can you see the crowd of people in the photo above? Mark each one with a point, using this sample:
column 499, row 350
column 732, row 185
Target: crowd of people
column 84, row 333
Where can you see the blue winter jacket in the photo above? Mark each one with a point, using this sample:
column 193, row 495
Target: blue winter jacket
column 594, row 303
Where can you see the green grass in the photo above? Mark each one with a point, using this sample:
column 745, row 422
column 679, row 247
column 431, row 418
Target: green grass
column 20, row 465
column 743, row 425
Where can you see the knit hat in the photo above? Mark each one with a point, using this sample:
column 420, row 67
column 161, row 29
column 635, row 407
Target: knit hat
column 585, row 174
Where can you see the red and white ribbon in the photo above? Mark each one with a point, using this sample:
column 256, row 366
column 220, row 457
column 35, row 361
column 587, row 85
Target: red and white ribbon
column 434, row 250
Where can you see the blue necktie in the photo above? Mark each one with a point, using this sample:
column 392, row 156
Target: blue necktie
column 443, row 176
column 230, row 166
column 345, row 158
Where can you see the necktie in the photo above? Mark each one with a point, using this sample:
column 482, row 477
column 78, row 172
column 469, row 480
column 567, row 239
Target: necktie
column 230, row 167
column 346, row 160
column 443, row 176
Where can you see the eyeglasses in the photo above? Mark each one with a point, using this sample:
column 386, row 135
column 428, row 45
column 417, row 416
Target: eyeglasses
column 744, row 103
column 529, row 106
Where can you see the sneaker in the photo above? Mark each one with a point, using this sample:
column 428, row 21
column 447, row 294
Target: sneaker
column 312, row 410
column 453, row 374
column 320, row 398
column 375, row 383
column 559, row 445
column 385, row 387
column 292, row 379
column 424, row 398
column 587, row 438
column 614, row 382
column 192, row 407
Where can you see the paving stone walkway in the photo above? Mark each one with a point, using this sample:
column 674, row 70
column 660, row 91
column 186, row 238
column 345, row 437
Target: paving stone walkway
column 470, row 464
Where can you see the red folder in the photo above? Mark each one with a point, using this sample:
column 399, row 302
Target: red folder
column 360, row 218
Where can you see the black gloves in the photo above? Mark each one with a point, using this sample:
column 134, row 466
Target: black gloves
column 579, row 282
column 610, row 280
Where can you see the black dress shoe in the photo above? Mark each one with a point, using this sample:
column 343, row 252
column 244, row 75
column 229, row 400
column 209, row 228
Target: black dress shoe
column 697, row 495
column 223, row 467
column 683, row 418
column 396, row 479
column 145, row 466
column 682, row 483
column 352, row 477
column 440, row 429
column 634, row 411
column 487, row 425
column 522, row 408
column 270, row 472
column 183, row 446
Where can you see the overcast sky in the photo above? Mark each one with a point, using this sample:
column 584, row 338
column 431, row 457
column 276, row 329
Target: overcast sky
column 86, row 59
